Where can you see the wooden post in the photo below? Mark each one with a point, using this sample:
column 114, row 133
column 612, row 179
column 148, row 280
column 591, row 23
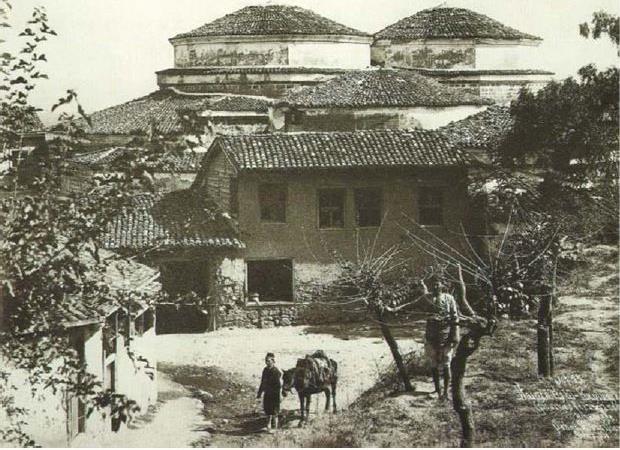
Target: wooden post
column 554, row 302
column 543, row 336
column 213, row 296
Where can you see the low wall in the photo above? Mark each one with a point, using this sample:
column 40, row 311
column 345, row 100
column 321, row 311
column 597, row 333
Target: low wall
column 268, row 315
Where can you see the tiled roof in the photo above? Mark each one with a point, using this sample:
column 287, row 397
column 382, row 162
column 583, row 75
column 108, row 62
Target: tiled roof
column 383, row 87
column 121, row 275
column 176, row 220
column 484, row 130
column 450, row 23
column 24, row 120
column 271, row 20
column 82, row 311
column 116, row 157
column 330, row 150
column 162, row 109
column 230, row 70
column 447, row 73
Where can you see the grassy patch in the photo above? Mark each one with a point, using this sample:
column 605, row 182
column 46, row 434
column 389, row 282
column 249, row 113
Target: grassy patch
column 501, row 373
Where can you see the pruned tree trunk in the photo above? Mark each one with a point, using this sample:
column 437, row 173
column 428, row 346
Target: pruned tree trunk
column 398, row 359
column 469, row 343
column 458, row 366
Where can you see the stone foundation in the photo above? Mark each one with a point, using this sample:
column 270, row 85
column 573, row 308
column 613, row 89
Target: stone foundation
column 270, row 315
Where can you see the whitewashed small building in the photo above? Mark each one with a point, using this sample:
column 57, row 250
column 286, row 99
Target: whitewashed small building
column 462, row 48
column 112, row 340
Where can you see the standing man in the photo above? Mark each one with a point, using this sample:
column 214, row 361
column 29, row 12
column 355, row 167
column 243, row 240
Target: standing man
column 442, row 332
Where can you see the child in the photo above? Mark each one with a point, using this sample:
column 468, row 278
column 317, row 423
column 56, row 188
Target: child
column 270, row 385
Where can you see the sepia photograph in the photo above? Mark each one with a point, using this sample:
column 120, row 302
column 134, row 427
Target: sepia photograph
column 309, row 223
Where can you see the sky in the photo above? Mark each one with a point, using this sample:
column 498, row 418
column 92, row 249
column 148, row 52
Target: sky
column 108, row 50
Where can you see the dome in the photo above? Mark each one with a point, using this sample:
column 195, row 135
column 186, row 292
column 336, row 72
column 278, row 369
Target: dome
column 450, row 23
column 271, row 20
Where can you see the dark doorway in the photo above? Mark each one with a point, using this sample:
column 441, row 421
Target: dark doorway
column 183, row 277
column 271, row 279
column 180, row 278
column 180, row 319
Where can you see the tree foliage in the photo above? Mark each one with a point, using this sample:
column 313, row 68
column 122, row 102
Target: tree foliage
column 565, row 137
column 567, row 122
column 49, row 248
column 602, row 23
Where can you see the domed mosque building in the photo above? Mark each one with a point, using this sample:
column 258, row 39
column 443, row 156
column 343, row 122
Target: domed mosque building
column 264, row 50
column 462, row 48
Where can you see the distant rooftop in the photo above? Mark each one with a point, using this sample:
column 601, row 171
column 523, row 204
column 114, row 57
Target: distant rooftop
column 337, row 150
column 381, row 88
column 119, row 158
column 272, row 20
column 485, row 130
column 450, row 23
column 161, row 109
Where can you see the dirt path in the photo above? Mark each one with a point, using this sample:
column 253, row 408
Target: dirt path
column 219, row 373
column 242, row 351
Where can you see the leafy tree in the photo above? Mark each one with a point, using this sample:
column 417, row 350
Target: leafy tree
column 602, row 23
column 569, row 129
column 49, row 252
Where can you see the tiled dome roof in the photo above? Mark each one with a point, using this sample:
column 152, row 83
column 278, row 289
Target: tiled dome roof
column 271, row 20
column 450, row 23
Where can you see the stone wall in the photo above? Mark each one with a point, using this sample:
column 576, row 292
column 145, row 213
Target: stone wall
column 456, row 54
column 231, row 54
column 350, row 52
column 422, row 55
column 267, row 81
column 268, row 315
column 502, row 92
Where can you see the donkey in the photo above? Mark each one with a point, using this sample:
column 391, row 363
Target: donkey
column 313, row 374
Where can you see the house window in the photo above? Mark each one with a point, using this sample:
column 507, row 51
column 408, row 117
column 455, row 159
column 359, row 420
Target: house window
column 272, row 280
column 139, row 325
column 110, row 335
column 331, row 208
column 76, row 416
column 272, row 200
column 149, row 319
column 430, row 206
column 368, row 206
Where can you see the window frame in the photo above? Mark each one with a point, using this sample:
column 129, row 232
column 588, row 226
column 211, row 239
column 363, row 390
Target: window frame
column 284, row 206
column 431, row 206
column 318, row 207
column 377, row 189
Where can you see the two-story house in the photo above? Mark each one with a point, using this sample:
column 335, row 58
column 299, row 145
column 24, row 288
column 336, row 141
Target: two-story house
column 298, row 199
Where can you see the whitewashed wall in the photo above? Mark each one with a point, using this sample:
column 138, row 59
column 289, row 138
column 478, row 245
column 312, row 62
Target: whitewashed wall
column 342, row 55
column 505, row 57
